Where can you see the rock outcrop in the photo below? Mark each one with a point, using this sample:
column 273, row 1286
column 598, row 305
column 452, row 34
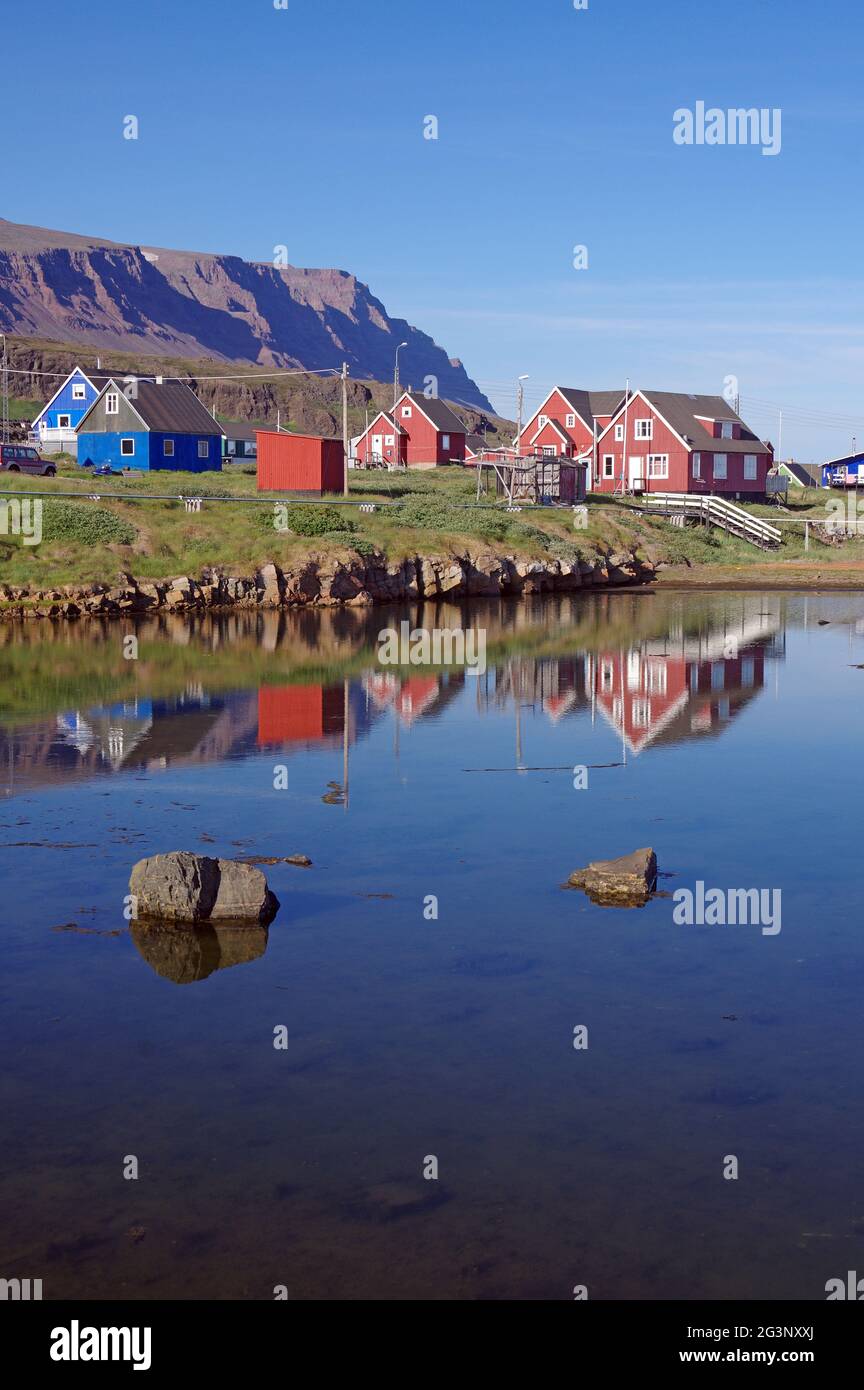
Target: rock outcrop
column 187, row 889
column 327, row 580
column 625, row 882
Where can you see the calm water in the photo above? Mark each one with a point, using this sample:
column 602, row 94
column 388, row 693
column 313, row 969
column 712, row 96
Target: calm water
column 724, row 730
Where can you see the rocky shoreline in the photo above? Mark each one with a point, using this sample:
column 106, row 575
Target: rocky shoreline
column 322, row 580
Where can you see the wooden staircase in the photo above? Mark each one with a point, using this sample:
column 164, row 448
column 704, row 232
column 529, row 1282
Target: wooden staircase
column 712, row 511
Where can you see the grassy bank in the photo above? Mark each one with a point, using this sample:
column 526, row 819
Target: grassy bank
column 88, row 541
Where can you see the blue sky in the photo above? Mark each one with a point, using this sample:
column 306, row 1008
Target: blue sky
column 304, row 127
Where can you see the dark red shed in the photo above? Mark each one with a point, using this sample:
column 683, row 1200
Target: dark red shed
column 299, row 462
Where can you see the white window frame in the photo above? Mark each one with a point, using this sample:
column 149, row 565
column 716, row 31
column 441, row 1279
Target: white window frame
column 542, row 421
column 644, row 429
column 168, row 448
column 727, row 429
column 549, row 451
column 127, row 453
column 79, row 391
column 697, row 465
column 203, row 448
column 445, row 441
column 64, row 422
column 608, row 465
column 389, row 440
column 406, row 412
column 721, row 468
column 751, row 468
column 619, row 434
column 570, row 422
column 658, row 465
column 112, row 403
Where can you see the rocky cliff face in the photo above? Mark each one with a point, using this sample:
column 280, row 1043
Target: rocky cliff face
column 106, row 295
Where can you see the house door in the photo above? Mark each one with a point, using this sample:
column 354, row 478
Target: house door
column 378, row 446
column 635, row 474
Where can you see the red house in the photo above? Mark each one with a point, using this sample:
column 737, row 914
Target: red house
column 299, row 462
column 418, row 432
column 665, row 441
column 565, row 423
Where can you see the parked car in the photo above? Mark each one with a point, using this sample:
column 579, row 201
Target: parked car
column 23, row 458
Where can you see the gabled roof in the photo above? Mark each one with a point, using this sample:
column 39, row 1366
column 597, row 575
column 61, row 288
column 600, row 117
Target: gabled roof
column 555, row 426
column 809, row 477
column 847, row 458
column 585, row 404
column 96, row 380
column 476, row 443
column 167, row 408
column 682, row 412
column 382, row 415
column 436, row 412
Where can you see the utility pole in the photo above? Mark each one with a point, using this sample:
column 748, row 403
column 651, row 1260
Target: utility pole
column 519, row 403
column 4, row 391
column 345, row 427
column 780, row 440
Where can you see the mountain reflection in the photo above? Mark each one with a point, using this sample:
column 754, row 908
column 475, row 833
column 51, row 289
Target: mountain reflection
column 655, row 669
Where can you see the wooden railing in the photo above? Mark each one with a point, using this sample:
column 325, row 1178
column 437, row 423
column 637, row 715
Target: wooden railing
column 715, row 511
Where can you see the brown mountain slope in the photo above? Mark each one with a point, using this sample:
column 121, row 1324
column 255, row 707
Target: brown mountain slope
column 308, row 404
column 102, row 294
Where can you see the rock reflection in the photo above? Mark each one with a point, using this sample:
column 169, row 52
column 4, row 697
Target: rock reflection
column 186, row 954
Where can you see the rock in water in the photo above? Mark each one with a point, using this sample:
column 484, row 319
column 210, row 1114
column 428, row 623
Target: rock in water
column 625, row 882
column 184, row 887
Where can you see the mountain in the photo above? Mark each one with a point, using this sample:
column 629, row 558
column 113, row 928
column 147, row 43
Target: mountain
column 107, row 295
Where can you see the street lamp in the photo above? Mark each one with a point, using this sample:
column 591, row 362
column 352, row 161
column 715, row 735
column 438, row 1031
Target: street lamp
column 396, row 375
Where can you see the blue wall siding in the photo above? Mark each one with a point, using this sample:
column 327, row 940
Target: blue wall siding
column 105, row 448
column 186, row 458
column 99, row 449
column 854, row 468
column 64, row 404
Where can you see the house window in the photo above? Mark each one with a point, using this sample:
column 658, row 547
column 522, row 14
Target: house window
column 697, row 465
column 608, row 465
column 445, row 441
column 619, row 433
column 168, row 448
column 644, row 429
column 549, row 451
column 727, row 429
column 542, row 420
column 406, row 412
column 640, row 712
column 749, row 468
column 390, row 440
column 720, row 467
column 64, row 422
column 127, row 448
column 658, row 465
column 203, row 448
column 112, row 403
column 571, row 422
column 79, row 392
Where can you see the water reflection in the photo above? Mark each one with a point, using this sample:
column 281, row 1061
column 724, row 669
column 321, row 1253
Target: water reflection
column 209, row 690
column 184, row 955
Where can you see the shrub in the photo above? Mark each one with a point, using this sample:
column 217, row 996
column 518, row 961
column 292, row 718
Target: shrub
column 305, row 520
column 84, row 523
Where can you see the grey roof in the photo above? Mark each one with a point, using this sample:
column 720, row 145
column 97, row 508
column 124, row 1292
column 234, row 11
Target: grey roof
column 589, row 404
column 240, row 429
column 440, row 414
column 810, row 476
column 173, row 407
column 476, row 442
column 681, row 410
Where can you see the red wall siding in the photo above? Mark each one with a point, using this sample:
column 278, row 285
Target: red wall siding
column 298, row 463
column 664, row 441
column 557, row 408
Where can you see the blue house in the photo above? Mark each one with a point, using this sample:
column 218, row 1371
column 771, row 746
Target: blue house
column 150, row 425
column 54, row 426
column 845, row 472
